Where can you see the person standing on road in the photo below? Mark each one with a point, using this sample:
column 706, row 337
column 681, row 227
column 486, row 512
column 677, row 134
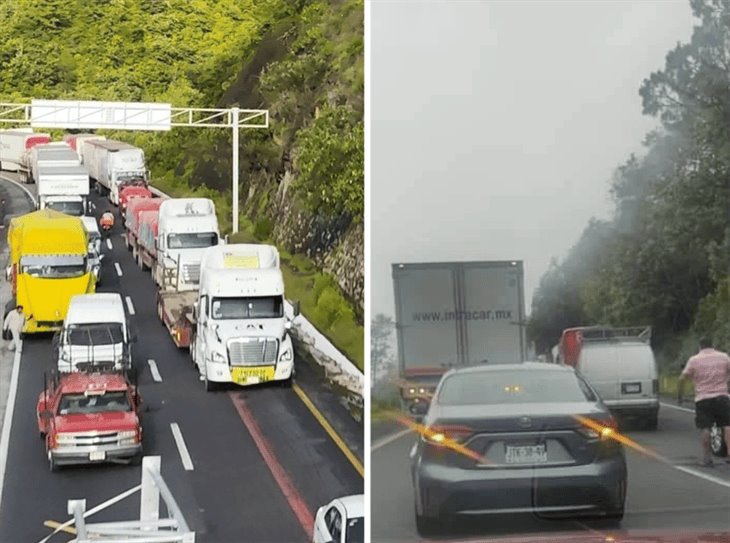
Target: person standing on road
column 710, row 371
column 13, row 323
column 106, row 222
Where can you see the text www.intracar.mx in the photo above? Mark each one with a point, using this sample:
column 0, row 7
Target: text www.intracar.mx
column 476, row 315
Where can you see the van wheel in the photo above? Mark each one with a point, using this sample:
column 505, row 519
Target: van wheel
column 652, row 422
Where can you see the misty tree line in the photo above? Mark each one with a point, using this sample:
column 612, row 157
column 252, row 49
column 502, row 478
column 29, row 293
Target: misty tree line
column 663, row 259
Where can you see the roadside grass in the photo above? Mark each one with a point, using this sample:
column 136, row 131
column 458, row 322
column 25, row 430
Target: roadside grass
column 319, row 298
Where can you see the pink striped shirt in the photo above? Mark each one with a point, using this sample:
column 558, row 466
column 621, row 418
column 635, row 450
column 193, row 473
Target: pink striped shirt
column 710, row 371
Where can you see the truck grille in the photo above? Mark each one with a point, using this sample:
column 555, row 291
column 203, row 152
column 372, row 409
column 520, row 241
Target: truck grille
column 191, row 273
column 255, row 351
column 85, row 439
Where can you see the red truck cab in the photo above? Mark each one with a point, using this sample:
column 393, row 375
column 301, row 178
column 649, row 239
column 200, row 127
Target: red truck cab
column 90, row 418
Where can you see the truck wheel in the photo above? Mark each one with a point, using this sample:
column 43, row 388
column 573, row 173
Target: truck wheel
column 136, row 460
column 160, row 312
column 426, row 526
column 210, row 386
column 287, row 383
column 52, row 465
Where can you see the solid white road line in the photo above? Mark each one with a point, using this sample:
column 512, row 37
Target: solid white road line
column 118, row 268
column 677, row 407
column 130, row 305
column 25, row 189
column 154, row 371
column 109, row 243
column 389, row 439
column 8, row 422
column 182, row 449
column 702, row 475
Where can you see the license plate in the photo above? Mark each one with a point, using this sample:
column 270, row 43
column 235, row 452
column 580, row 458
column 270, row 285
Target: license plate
column 631, row 388
column 529, row 454
column 252, row 376
column 96, row 456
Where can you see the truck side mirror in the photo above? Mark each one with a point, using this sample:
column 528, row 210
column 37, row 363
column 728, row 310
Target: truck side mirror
column 295, row 308
column 46, row 414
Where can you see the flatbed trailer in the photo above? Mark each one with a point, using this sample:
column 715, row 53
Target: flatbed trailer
column 175, row 310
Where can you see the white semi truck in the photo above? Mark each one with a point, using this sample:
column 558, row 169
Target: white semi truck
column 455, row 314
column 63, row 188
column 51, row 155
column 15, row 147
column 240, row 329
column 113, row 164
column 76, row 141
column 186, row 228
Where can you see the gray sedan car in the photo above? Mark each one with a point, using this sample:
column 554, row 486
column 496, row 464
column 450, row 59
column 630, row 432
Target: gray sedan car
column 517, row 438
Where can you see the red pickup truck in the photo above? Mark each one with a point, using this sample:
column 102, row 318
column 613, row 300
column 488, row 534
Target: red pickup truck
column 90, row 418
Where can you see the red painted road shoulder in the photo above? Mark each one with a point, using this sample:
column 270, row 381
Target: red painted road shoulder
column 295, row 500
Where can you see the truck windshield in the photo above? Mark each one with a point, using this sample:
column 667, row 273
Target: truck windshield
column 95, row 334
column 79, row 404
column 192, row 241
column 261, row 307
column 69, row 208
column 54, row 266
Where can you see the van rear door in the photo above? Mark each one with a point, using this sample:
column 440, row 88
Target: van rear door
column 637, row 371
column 598, row 363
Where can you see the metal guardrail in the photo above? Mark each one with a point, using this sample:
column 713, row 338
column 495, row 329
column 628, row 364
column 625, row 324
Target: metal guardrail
column 149, row 528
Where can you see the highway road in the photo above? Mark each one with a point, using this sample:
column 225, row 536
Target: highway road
column 675, row 496
column 259, row 466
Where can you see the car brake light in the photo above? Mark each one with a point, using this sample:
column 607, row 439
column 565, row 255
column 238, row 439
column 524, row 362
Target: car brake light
column 444, row 434
column 594, row 428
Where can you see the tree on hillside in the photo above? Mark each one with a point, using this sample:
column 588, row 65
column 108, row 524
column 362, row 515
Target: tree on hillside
column 662, row 259
column 381, row 334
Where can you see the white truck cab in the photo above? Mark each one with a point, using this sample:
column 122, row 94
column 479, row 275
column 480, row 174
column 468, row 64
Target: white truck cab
column 241, row 332
column 95, row 333
column 186, row 228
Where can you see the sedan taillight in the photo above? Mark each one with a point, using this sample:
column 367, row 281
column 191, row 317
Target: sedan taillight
column 446, row 434
column 603, row 428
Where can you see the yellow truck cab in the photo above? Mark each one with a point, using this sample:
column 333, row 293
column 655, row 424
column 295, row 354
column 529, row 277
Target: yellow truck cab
column 48, row 266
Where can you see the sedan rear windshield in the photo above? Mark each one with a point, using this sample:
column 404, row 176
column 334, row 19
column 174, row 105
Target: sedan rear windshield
column 511, row 387
column 76, row 404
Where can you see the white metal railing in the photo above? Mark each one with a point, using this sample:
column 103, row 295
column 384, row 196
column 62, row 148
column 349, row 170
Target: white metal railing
column 149, row 528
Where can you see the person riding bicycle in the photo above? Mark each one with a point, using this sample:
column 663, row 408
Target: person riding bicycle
column 106, row 221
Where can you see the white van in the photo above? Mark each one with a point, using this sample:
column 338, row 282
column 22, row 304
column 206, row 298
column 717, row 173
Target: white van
column 95, row 333
column 620, row 365
column 95, row 256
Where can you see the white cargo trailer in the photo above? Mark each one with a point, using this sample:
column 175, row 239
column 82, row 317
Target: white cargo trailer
column 112, row 164
column 456, row 314
column 15, row 147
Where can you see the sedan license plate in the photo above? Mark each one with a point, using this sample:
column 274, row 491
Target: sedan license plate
column 252, row 376
column 96, row 456
column 631, row 388
column 527, row 454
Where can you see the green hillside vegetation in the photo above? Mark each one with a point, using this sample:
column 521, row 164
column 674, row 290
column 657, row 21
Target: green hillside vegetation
column 300, row 59
column 663, row 258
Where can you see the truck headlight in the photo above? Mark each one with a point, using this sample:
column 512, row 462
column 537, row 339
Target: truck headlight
column 215, row 356
column 126, row 434
column 286, row 356
column 64, row 438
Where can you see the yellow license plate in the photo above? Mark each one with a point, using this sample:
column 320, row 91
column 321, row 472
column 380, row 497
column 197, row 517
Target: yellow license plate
column 251, row 376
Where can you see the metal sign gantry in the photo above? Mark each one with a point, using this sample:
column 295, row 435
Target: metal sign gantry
column 75, row 114
column 150, row 528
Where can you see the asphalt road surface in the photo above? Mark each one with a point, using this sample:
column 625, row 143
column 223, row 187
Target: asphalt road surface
column 676, row 495
column 234, row 491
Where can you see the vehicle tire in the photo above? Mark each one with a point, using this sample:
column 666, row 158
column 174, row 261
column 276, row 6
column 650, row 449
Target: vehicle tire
column 52, row 465
column 191, row 349
column 287, row 383
column 210, row 386
column 426, row 526
column 717, row 441
column 160, row 313
column 652, row 422
column 136, row 460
